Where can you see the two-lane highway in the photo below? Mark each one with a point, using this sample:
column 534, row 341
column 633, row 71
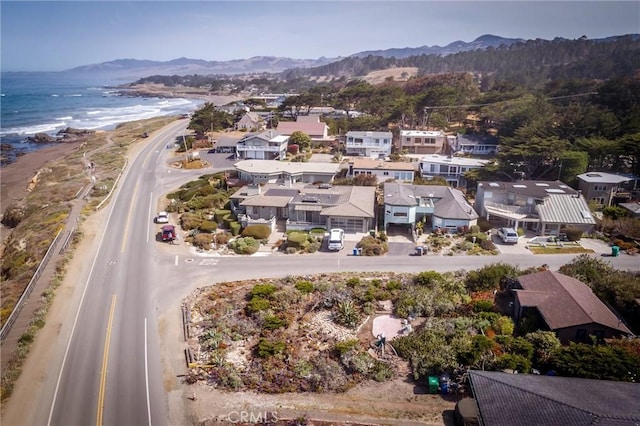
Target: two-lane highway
column 108, row 373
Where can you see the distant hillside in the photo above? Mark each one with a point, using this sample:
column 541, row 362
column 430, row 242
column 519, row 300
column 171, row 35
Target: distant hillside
column 482, row 42
column 527, row 63
column 136, row 68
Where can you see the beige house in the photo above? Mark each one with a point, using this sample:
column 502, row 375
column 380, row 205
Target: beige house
column 566, row 306
column 308, row 124
column 383, row 170
column 422, row 141
column 250, row 121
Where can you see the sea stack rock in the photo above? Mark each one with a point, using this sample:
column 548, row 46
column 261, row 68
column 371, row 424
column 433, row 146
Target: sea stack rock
column 41, row 138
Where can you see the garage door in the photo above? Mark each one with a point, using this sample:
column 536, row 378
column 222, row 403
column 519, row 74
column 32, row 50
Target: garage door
column 350, row 226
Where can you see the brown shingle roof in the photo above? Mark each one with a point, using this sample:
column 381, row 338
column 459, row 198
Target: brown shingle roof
column 564, row 301
column 311, row 129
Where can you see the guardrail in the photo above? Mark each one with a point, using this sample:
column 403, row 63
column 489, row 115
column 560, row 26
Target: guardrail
column 27, row 291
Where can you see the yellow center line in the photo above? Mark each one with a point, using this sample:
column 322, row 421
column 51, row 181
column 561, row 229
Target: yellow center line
column 105, row 363
column 126, row 228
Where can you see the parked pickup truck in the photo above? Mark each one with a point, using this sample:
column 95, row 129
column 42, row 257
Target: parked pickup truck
column 508, row 235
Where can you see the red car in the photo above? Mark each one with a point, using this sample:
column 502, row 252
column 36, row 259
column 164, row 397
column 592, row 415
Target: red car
column 168, row 233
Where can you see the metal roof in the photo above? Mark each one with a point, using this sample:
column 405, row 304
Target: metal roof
column 564, row 208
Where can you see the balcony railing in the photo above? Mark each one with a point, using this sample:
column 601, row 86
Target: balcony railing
column 259, row 148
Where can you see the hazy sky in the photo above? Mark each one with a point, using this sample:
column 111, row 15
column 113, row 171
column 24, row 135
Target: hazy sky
column 54, row 35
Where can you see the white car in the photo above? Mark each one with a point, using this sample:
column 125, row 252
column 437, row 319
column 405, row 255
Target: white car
column 162, row 217
column 336, row 239
column 508, row 235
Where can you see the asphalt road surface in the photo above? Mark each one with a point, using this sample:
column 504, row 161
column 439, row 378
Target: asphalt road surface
column 106, row 366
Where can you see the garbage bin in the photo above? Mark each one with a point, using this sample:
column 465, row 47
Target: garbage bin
column 355, row 251
column 419, row 251
column 433, row 384
column 615, row 250
column 372, row 232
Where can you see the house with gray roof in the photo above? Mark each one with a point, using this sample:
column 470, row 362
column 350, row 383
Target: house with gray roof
column 437, row 206
column 543, row 206
column 368, row 144
column 505, row 399
column 474, row 144
column 602, row 188
column 268, row 145
column 304, row 206
column 565, row 306
column 450, row 168
column 273, row 171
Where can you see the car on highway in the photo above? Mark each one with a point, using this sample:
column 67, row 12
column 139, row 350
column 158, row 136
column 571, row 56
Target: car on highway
column 508, row 235
column 162, row 217
column 336, row 239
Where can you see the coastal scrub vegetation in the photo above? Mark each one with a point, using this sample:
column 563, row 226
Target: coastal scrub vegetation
column 313, row 333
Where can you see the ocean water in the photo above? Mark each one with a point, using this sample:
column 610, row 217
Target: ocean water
column 39, row 102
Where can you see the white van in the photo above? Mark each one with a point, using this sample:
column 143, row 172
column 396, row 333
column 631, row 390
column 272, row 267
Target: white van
column 336, row 239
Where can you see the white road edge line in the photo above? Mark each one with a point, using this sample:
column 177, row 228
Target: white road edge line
column 149, row 214
column 75, row 321
column 146, row 370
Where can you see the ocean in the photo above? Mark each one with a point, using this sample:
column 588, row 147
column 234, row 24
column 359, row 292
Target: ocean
column 47, row 102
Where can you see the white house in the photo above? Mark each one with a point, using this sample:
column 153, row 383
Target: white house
column 450, row 168
column 422, row 141
column 368, row 144
column 250, row 121
column 269, row 145
column 383, row 170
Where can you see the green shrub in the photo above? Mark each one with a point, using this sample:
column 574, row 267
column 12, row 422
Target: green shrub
column 305, row 287
column 346, row 346
column 263, row 290
column 268, row 348
column 258, row 304
column 478, row 237
column 521, row 232
column 483, row 306
column 428, row 278
column 235, row 228
column 259, row 232
column 244, row 245
column 227, row 219
column 489, row 277
column 474, row 229
column 273, row 322
column 296, row 239
column 220, row 214
column 208, row 226
column 573, row 234
column 513, row 362
column 372, row 246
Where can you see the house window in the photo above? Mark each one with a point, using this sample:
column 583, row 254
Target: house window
column 399, row 214
column 599, row 187
column 598, row 200
column 408, row 139
column 430, row 140
column 385, row 173
column 581, row 334
column 418, row 140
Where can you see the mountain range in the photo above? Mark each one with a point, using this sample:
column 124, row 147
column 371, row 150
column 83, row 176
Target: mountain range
column 133, row 69
column 137, row 68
